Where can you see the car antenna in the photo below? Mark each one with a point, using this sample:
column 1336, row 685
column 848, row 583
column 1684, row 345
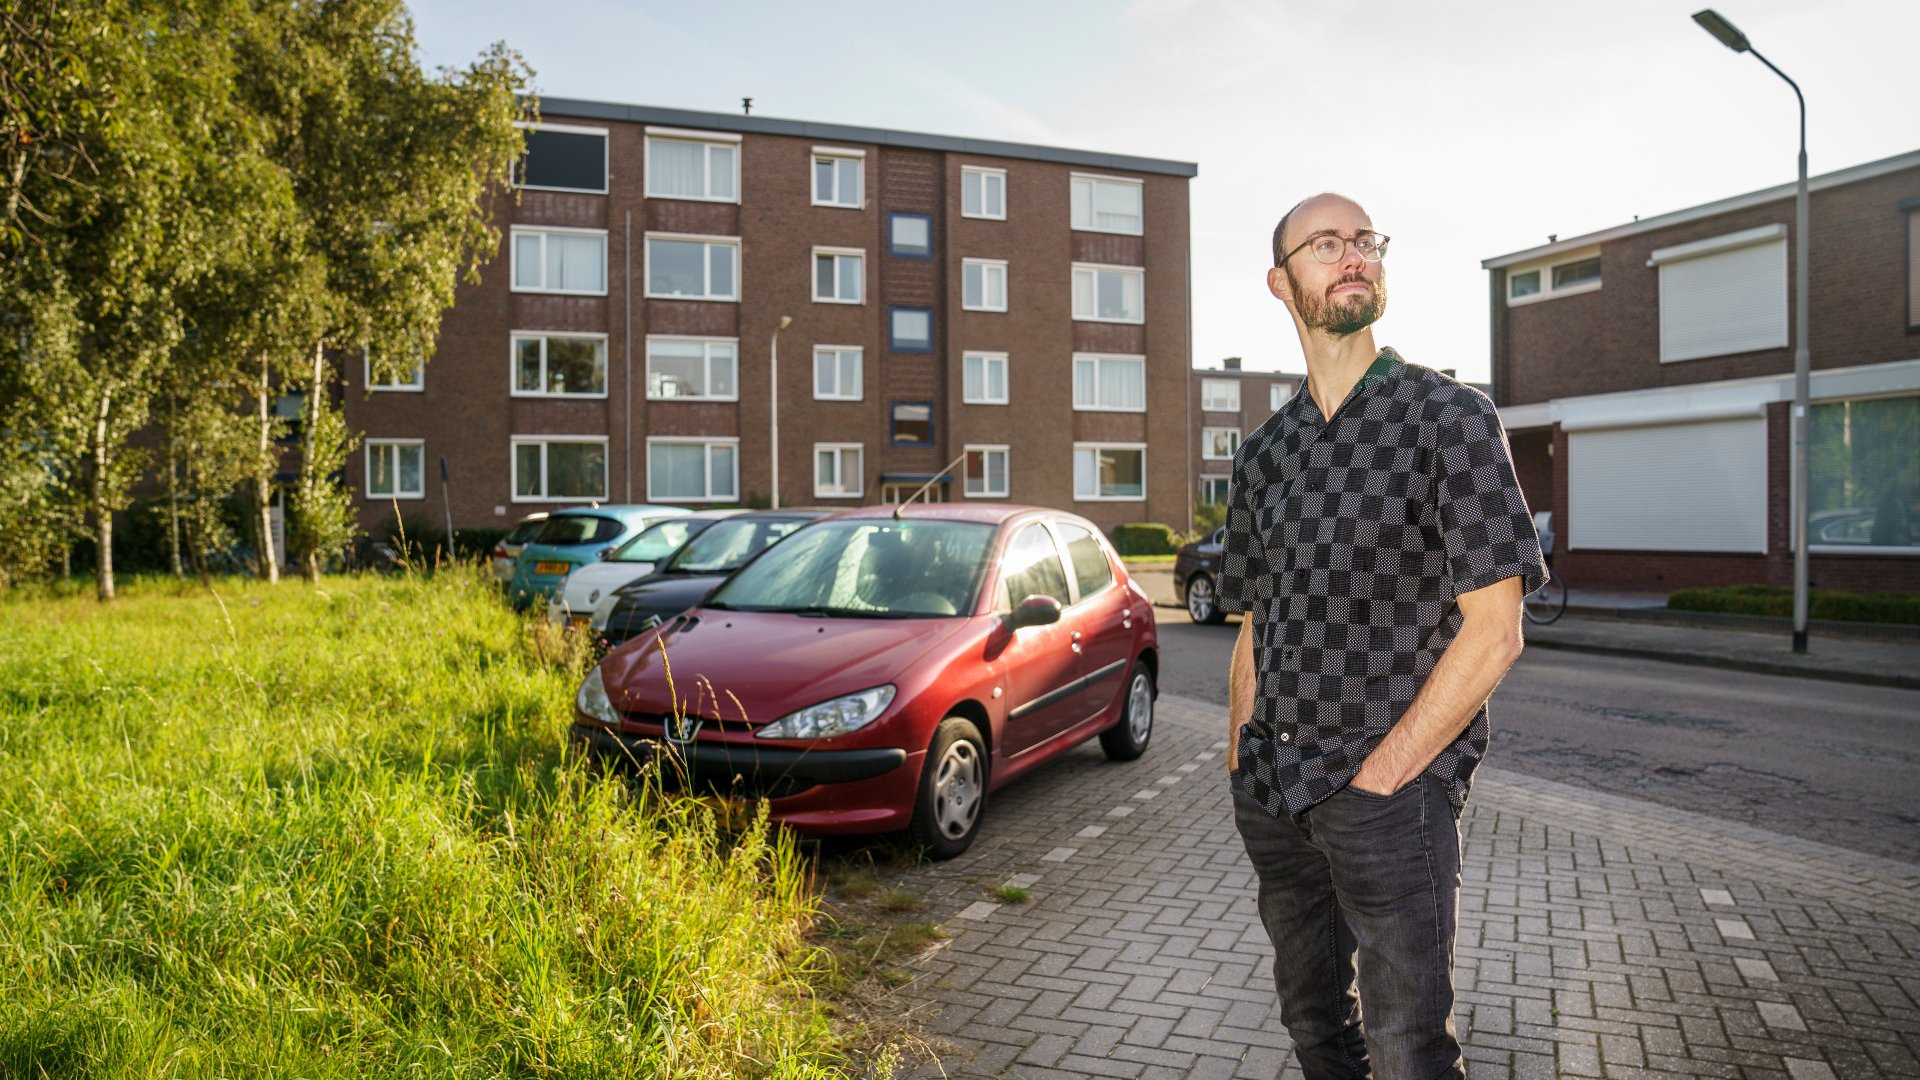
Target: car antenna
column 930, row 482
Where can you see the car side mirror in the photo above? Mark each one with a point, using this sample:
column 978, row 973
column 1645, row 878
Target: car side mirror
column 1036, row 610
column 605, row 553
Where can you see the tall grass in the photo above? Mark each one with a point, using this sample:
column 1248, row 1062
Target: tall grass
column 334, row 831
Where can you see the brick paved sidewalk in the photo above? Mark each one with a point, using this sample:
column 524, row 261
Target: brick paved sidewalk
column 1599, row 936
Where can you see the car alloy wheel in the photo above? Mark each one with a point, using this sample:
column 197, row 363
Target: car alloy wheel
column 1200, row 605
column 953, row 789
column 1127, row 739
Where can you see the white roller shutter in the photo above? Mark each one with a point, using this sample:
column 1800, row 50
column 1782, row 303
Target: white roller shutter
column 1673, row 487
column 1722, row 296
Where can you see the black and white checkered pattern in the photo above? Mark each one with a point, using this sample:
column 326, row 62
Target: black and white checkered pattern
column 1347, row 543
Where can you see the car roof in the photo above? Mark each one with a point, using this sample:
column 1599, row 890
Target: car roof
column 994, row 513
column 622, row 511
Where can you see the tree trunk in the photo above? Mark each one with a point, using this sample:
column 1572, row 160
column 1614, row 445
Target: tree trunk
column 173, row 487
column 269, row 568
column 310, row 558
column 97, row 497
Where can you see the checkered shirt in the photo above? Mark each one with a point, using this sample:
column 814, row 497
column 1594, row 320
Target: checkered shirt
column 1347, row 542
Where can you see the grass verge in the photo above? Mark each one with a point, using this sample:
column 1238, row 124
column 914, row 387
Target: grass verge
column 1777, row 600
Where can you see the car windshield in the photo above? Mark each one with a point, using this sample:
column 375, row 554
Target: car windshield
column 722, row 548
column 659, row 540
column 867, row 568
column 578, row 529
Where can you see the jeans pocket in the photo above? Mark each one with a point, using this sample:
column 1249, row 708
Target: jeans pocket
column 1375, row 796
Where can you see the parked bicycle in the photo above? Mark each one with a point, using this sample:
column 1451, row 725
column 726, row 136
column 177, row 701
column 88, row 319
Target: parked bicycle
column 1548, row 602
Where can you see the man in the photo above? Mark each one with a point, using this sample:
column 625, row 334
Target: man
column 1379, row 546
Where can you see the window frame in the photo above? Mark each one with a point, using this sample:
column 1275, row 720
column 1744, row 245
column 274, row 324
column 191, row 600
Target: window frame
column 893, row 420
column 893, row 341
column 1206, row 443
column 838, row 154
column 987, row 358
column 1275, row 390
column 837, row 254
column 1095, row 358
column 840, row 450
column 984, row 171
column 894, row 250
column 1005, row 450
column 417, row 386
column 706, row 469
column 367, row 468
column 860, row 371
column 1101, row 178
column 1096, row 269
column 706, row 357
column 706, row 138
column 985, row 265
column 514, row 337
column 706, row 264
column 1545, row 268
column 606, row 156
column 1225, row 483
column 514, row 232
column 1218, row 382
column 514, row 442
column 1909, row 210
column 1098, row 446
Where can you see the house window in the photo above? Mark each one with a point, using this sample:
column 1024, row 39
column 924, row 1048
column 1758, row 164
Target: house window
column 910, row 236
column 910, row 329
column 912, row 423
column 693, row 470
column 1575, row 273
column 836, row 372
column 1219, row 443
column 572, row 469
column 560, row 261
column 838, row 275
column 1109, row 293
column 983, row 284
column 1567, row 275
column 983, row 193
column 1864, row 473
column 1522, row 284
column 698, row 369
column 693, row 267
column 1106, row 204
column 1213, row 489
column 396, row 468
column 838, row 471
column 1220, row 395
column 1723, row 295
column 837, row 177
column 986, row 472
column 983, row 379
column 559, row 365
column 1110, row 383
column 563, row 158
column 1104, row 471
column 1277, row 394
column 693, row 166
column 414, row 380
column 1911, row 207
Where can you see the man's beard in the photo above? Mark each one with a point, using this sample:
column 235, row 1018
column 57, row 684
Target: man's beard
column 1341, row 317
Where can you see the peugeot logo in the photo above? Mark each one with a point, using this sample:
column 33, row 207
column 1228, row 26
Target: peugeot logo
column 593, row 597
column 681, row 729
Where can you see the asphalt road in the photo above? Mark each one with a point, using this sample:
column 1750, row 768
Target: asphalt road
column 1821, row 760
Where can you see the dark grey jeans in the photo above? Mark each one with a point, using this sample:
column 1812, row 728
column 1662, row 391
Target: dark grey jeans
column 1365, row 885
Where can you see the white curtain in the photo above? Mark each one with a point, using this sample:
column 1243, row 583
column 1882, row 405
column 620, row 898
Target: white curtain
column 720, row 472
column 677, row 168
column 720, row 271
column 1116, row 207
column 576, row 263
column 526, row 260
column 675, row 470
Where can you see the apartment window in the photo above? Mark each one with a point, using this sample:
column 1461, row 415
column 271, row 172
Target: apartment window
column 1110, row 383
column 1213, row 489
column 693, row 267
column 1220, row 395
column 910, row 329
column 1911, row 208
column 1568, row 275
column 1105, row 471
column 560, row 261
column 838, row 275
column 837, row 177
column 836, row 372
column 1106, row 204
column 1723, row 295
column 912, row 423
column 693, row 166
column 1576, row 273
column 563, row 158
column 559, row 365
column 698, row 369
column 983, row 379
column 983, row 284
column 910, row 236
column 1277, row 395
column 1109, row 293
column 838, row 472
column 1219, row 443
column 986, row 472
column 1864, row 477
column 396, row 468
column 693, row 470
column 415, row 380
column 554, row 469
column 983, row 193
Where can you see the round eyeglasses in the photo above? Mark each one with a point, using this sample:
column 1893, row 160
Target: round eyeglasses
column 1331, row 247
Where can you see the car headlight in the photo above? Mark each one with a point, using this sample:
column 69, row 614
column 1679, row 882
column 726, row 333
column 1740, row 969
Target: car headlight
column 592, row 699
column 830, row 718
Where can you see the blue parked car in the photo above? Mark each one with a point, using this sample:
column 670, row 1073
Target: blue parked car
column 574, row 537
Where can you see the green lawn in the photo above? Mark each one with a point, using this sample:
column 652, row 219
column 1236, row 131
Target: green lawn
column 298, row 831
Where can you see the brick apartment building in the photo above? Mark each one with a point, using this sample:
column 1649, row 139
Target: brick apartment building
column 1228, row 403
column 1026, row 306
column 1645, row 373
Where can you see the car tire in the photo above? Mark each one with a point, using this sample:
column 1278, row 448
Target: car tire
column 1200, row 604
column 952, row 799
column 1127, row 739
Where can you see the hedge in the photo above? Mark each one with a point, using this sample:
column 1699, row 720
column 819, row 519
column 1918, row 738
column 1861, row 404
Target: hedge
column 1145, row 538
column 1777, row 600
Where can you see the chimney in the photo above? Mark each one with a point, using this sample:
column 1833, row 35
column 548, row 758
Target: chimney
column 1232, row 363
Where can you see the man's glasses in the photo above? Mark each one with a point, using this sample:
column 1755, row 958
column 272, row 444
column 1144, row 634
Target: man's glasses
column 1332, row 247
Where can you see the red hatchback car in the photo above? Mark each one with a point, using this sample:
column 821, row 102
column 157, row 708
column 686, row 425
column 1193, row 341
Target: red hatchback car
column 885, row 668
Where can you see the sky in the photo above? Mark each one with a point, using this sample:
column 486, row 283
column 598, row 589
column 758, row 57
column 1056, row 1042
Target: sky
column 1467, row 129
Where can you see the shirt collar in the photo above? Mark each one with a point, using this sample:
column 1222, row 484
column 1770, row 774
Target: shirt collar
column 1385, row 366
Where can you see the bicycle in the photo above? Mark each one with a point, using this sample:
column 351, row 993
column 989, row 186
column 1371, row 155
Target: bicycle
column 1548, row 602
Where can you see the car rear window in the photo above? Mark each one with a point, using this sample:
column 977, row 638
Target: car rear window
column 524, row 531
column 1090, row 563
column 578, row 529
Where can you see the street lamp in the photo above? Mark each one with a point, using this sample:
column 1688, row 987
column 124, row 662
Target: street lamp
column 773, row 393
column 1732, row 38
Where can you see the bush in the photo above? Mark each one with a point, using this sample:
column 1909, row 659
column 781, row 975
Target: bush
column 1145, row 538
column 425, row 537
column 1777, row 600
column 1208, row 516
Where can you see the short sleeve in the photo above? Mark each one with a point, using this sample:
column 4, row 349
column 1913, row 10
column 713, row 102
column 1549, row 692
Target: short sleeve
column 1485, row 526
column 1244, row 581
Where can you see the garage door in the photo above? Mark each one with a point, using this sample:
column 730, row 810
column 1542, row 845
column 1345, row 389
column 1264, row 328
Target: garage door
column 1674, row 487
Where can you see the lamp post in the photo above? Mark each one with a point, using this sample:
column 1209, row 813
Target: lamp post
column 773, row 397
column 1730, row 36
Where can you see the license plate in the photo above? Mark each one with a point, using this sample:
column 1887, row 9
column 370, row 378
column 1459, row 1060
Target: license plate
column 551, row 567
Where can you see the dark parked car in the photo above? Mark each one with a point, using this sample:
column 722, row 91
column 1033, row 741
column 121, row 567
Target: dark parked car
column 1196, row 570
column 872, row 673
column 690, row 573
